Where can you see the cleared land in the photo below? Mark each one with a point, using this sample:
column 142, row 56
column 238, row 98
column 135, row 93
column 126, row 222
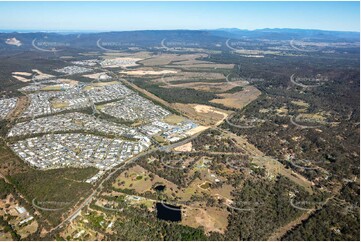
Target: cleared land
column 202, row 114
column 37, row 75
column 145, row 72
column 22, row 79
column 22, row 73
column 21, row 105
column 207, row 86
column 239, row 99
column 184, row 148
column 211, row 218
column 191, row 76
column 174, row 119
column 196, row 130
column 165, row 59
column 52, row 88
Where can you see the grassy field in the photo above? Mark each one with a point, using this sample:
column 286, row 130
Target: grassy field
column 52, row 88
column 140, row 180
column 59, row 104
column 173, row 119
column 238, row 99
column 211, row 218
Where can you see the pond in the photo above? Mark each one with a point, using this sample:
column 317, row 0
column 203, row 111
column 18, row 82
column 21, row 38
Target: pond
column 169, row 212
column 159, row 188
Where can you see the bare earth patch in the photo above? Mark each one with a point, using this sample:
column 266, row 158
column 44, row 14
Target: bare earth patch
column 21, row 76
column 196, row 130
column 184, row 148
column 211, row 218
column 202, row 114
column 22, row 73
column 40, row 75
column 22, row 79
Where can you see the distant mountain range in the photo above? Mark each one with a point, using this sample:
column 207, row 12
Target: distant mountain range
column 151, row 38
column 285, row 34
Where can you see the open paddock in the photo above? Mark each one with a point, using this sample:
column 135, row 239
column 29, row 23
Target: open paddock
column 239, row 99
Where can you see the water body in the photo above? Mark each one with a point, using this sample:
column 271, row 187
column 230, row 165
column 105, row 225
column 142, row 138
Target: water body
column 169, row 212
column 159, row 188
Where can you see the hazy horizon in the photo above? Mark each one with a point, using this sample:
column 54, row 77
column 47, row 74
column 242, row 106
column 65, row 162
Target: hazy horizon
column 130, row 30
column 133, row 16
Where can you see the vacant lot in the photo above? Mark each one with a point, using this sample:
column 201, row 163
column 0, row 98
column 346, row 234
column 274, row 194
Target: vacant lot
column 173, row 119
column 59, row 104
column 211, row 218
column 184, row 148
column 52, row 88
column 202, row 114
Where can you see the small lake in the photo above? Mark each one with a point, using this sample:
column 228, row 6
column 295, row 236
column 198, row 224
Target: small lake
column 159, row 188
column 169, row 212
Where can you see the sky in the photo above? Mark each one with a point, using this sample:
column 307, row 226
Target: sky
column 118, row 16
